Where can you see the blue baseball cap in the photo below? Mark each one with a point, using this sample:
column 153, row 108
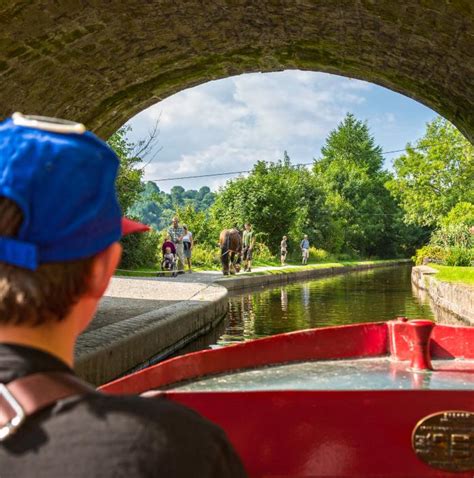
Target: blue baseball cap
column 63, row 179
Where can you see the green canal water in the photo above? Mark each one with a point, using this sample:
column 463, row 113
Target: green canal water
column 366, row 296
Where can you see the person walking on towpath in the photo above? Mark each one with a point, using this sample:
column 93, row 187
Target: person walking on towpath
column 60, row 226
column 248, row 242
column 176, row 232
column 188, row 246
column 283, row 250
column 304, row 245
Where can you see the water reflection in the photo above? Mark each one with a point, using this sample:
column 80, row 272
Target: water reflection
column 367, row 296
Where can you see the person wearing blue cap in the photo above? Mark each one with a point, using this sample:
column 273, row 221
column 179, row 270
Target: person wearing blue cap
column 60, row 224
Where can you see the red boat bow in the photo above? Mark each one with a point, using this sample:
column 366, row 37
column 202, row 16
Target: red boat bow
column 353, row 433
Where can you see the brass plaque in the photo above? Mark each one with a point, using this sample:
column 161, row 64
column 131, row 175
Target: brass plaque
column 445, row 440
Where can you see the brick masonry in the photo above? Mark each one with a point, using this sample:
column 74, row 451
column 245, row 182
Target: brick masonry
column 101, row 62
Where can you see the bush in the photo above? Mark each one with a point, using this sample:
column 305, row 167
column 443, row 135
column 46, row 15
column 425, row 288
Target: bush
column 433, row 253
column 141, row 250
column 453, row 235
column 461, row 214
column 206, row 256
column 318, row 255
column 262, row 253
column 459, row 256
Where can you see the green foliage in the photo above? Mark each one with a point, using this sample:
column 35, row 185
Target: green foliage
column 262, row 253
column 156, row 208
column 129, row 179
column 461, row 214
column 270, row 198
column 198, row 223
column 319, row 255
column 460, row 257
column 352, row 144
column 434, row 253
column 206, row 256
column 435, row 175
column 141, row 250
column 453, row 235
column 343, row 203
column 361, row 217
column 451, row 244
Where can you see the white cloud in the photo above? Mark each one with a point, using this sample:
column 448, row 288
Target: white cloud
column 229, row 124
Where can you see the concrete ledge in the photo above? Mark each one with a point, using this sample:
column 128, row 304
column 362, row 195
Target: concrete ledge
column 108, row 352
column 457, row 299
column 251, row 281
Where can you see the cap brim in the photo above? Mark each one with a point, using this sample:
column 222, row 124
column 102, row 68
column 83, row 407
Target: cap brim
column 130, row 227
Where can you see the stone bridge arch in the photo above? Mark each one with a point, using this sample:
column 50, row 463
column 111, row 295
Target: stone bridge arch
column 103, row 61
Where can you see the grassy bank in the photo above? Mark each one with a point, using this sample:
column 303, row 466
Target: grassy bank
column 325, row 265
column 290, row 267
column 460, row 275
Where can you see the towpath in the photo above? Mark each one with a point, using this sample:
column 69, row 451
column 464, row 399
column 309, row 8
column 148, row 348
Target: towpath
column 131, row 296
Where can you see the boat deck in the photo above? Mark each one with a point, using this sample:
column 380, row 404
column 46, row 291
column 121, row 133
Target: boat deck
column 379, row 373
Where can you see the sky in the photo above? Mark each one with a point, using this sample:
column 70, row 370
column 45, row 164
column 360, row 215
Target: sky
column 230, row 124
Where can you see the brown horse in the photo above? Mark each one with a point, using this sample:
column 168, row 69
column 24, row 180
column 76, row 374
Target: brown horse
column 230, row 243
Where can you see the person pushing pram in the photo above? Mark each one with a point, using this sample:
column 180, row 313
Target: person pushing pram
column 169, row 261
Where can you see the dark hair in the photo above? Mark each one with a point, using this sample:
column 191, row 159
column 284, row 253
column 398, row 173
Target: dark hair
column 36, row 297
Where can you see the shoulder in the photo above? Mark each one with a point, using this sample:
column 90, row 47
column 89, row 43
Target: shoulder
column 139, row 434
column 152, row 420
column 154, row 410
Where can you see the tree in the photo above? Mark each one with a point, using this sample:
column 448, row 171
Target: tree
column 350, row 175
column 436, row 174
column 269, row 198
column 129, row 179
column 461, row 214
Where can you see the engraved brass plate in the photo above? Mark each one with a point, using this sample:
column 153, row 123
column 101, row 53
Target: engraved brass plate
column 445, row 440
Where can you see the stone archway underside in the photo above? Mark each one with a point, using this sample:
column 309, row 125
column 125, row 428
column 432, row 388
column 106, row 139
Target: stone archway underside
column 102, row 61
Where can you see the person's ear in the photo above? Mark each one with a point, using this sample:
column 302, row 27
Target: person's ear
column 103, row 268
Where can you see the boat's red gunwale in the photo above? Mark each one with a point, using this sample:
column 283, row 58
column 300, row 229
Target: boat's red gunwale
column 350, row 341
column 327, row 343
column 447, row 341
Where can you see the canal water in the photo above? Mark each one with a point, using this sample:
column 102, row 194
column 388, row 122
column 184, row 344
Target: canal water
column 365, row 296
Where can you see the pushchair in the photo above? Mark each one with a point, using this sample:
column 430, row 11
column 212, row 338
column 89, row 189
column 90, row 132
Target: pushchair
column 169, row 262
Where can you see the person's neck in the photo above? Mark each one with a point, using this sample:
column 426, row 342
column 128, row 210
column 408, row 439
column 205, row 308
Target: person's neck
column 55, row 338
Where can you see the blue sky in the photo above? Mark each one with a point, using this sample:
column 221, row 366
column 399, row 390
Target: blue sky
column 229, row 124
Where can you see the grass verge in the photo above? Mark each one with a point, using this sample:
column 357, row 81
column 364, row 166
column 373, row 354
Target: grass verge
column 290, row 267
column 460, row 275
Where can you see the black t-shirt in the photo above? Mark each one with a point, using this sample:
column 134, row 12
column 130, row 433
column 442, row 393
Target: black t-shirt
column 99, row 435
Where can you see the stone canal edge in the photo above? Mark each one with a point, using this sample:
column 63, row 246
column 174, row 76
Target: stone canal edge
column 455, row 299
column 142, row 320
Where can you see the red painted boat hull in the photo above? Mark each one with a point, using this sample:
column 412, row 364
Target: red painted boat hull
column 319, row 433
